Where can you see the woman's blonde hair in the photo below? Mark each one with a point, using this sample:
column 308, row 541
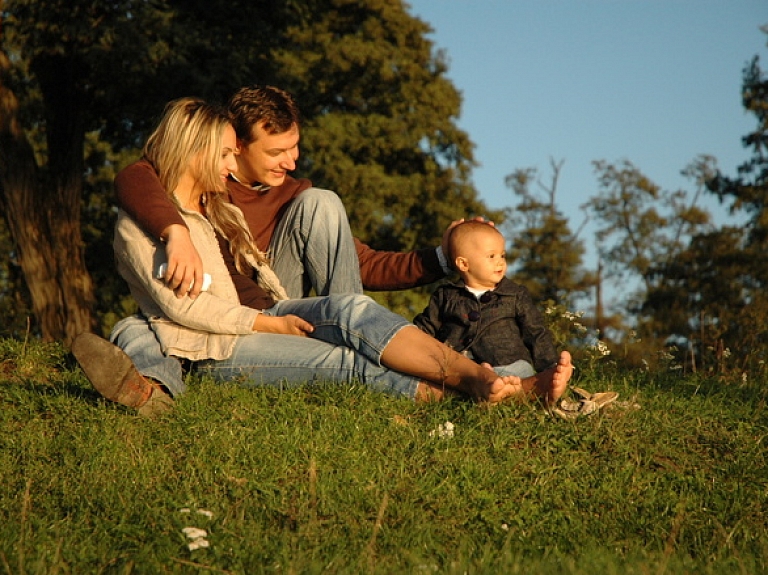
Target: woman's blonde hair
column 190, row 136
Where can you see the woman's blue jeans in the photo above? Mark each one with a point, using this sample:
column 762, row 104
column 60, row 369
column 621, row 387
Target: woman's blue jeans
column 351, row 331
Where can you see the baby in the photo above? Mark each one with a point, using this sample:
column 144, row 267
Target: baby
column 486, row 315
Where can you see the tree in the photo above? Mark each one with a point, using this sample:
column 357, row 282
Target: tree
column 640, row 226
column 380, row 119
column 52, row 54
column 740, row 325
column 546, row 255
column 748, row 191
column 380, row 124
column 380, row 116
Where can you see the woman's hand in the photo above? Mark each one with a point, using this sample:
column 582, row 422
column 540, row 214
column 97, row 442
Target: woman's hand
column 286, row 325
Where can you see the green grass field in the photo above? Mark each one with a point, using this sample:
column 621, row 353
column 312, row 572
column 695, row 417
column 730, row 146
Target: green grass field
column 336, row 479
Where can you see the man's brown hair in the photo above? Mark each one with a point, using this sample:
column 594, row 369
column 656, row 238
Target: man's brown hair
column 273, row 109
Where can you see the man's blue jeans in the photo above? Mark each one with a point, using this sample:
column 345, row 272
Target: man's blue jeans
column 312, row 247
column 351, row 331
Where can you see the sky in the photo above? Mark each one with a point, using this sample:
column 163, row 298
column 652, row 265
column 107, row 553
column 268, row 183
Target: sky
column 654, row 82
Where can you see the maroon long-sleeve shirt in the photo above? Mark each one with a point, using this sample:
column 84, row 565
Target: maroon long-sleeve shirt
column 142, row 196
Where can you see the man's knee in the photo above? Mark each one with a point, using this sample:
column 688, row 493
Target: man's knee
column 318, row 201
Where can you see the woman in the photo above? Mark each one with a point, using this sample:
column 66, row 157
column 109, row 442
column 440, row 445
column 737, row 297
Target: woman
column 334, row 338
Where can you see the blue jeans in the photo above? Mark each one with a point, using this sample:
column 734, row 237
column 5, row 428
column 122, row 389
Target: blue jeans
column 312, row 247
column 520, row 368
column 351, row 331
column 134, row 336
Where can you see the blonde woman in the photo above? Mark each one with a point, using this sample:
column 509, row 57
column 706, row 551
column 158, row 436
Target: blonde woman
column 332, row 338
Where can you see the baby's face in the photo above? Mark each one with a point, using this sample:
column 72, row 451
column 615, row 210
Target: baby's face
column 483, row 259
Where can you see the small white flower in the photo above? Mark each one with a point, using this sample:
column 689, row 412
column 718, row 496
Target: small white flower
column 198, row 544
column 208, row 514
column 198, row 537
column 443, row 430
column 194, row 532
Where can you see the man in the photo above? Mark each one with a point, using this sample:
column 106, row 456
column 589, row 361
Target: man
column 304, row 229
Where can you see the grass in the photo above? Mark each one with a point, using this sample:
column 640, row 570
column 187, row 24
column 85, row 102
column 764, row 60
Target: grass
column 337, row 479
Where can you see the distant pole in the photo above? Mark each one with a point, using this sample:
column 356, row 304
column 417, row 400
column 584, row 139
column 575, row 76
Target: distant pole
column 599, row 299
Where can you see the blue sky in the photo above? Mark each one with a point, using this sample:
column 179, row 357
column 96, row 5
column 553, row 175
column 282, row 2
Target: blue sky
column 655, row 82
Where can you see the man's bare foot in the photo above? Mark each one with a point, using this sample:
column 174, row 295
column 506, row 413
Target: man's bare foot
column 429, row 392
column 551, row 383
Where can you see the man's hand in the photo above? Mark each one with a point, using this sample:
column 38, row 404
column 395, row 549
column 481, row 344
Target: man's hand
column 447, row 234
column 185, row 268
column 286, row 325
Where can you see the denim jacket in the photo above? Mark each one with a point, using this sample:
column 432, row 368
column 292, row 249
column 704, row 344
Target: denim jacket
column 501, row 327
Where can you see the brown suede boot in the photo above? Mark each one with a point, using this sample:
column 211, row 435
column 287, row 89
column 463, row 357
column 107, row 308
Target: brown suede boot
column 115, row 377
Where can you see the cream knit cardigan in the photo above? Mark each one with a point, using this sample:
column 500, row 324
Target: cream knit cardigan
column 206, row 327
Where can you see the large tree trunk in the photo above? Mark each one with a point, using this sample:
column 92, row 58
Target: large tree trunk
column 43, row 217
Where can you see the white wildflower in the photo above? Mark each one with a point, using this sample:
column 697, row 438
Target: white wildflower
column 198, row 544
column 602, row 348
column 666, row 355
column 194, row 532
column 443, row 430
column 198, row 537
column 580, row 327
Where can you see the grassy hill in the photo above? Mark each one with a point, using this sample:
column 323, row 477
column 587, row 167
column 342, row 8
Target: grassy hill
column 336, row 479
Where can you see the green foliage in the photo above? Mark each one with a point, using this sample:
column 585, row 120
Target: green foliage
column 380, row 112
column 15, row 308
column 545, row 254
column 334, row 478
column 647, row 226
column 727, row 269
column 380, row 125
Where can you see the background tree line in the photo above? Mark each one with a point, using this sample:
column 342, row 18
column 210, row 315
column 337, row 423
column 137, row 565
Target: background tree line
column 700, row 288
column 82, row 82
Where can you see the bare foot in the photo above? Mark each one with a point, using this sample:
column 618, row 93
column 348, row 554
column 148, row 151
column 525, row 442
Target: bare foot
column 428, row 392
column 551, row 383
column 505, row 387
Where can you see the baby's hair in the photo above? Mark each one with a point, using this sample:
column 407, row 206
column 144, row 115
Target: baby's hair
column 459, row 235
